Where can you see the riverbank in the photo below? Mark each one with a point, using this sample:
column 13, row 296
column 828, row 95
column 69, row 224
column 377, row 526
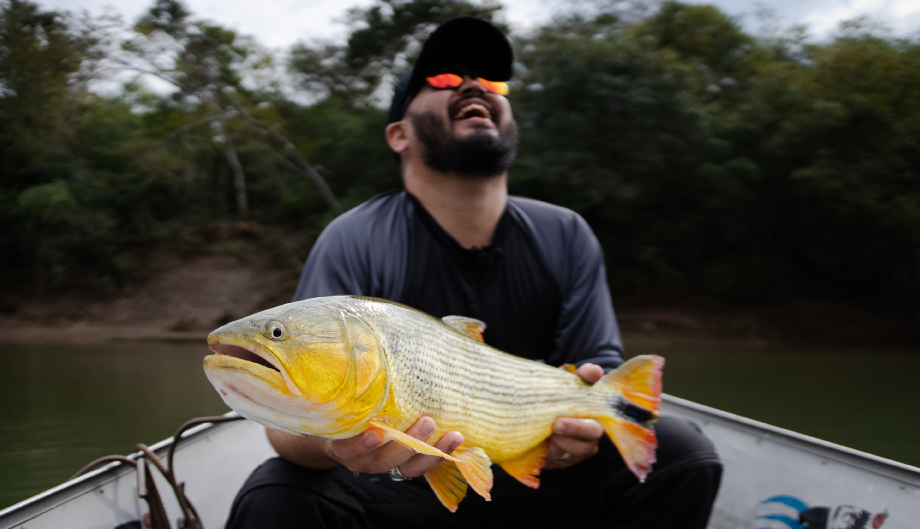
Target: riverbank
column 245, row 268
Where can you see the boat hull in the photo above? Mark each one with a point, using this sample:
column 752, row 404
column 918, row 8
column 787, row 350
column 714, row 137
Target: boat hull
column 772, row 476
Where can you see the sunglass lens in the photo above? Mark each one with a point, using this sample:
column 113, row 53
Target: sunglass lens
column 496, row 87
column 445, row 80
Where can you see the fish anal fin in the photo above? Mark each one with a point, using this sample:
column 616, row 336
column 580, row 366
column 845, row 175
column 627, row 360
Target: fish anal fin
column 527, row 467
column 448, row 484
column 468, row 326
column 476, row 468
column 639, row 380
column 392, row 434
column 636, row 444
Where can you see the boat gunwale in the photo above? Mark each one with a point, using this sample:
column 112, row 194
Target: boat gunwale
column 30, row 508
column 888, row 468
column 74, row 488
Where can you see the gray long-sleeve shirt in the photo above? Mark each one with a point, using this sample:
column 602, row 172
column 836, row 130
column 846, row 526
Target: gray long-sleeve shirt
column 540, row 286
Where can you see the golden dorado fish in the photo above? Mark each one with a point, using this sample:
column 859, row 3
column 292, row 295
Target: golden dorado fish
column 337, row 366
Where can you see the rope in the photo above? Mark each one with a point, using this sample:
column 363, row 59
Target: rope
column 146, row 487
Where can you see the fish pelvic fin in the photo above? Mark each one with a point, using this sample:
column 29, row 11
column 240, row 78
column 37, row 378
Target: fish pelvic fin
column 639, row 380
column 527, row 467
column 476, row 468
column 468, row 326
column 392, row 434
column 448, row 484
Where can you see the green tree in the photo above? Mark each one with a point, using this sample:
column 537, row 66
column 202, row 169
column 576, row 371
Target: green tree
column 383, row 43
column 207, row 63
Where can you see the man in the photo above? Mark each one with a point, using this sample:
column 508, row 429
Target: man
column 454, row 242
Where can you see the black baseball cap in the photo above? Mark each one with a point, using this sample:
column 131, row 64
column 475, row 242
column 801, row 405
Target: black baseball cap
column 466, row 41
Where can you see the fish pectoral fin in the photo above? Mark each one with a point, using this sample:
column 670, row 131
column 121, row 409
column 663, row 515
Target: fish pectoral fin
column 392, row 434
column 476, row 468
column 448, row 484
column 468, row 326
column 636, row 444
column 527, row 467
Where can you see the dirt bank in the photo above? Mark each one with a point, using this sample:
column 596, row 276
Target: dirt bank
column 243, row 268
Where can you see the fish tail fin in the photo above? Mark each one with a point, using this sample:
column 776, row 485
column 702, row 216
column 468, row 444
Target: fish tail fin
column 639, row 381
column 633, row 407
column 636, row 444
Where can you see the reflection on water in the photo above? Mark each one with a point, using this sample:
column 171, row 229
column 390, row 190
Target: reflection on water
column 63, row 406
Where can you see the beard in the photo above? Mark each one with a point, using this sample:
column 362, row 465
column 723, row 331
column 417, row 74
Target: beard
column 479, row 155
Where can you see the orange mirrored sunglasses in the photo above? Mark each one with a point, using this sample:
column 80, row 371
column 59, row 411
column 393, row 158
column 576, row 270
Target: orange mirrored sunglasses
column 452, row 80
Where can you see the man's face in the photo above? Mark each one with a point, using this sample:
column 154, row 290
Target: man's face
column 469, row 130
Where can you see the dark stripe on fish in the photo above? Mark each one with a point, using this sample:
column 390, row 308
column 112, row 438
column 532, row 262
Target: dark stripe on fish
column 636, row 414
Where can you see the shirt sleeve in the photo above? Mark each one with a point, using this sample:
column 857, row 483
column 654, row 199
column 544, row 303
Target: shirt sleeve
column 587, row 329
column 333, row 268
column 361, row 253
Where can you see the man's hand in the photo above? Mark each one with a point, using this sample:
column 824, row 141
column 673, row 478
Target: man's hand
column 575, row 440
column 365, row 452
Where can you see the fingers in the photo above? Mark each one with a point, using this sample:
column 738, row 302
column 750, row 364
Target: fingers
column 364, row 453
column 587, row 429
column 563, row 455
column 590, row 372
column 421, row 463
column 353, row 448
column 578, row 448
column 573, row 441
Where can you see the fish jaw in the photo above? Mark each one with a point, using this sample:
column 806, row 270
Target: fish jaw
column 260, row 394
column 228, row 341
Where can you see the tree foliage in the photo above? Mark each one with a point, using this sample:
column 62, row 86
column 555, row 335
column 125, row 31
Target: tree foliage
column 710, row 162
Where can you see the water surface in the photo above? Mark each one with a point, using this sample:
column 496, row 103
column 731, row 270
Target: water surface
column 63, row 406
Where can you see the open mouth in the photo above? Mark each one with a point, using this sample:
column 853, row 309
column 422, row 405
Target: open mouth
column 241, row 353
column 473, row 110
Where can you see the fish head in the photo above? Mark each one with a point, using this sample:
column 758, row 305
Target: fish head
column 310, row 367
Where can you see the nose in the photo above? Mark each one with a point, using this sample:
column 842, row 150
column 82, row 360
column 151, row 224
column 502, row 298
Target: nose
column 471, row 85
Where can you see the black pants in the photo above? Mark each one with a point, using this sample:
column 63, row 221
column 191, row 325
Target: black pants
column 599, row 492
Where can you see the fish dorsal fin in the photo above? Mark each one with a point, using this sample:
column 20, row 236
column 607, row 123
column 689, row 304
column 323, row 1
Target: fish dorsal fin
column 448, row 484
column 639, row 380
column 468, row 326
column 527, row 467
column 635, row 442
column 476, row 468
column 569, row 367
column 392, row 434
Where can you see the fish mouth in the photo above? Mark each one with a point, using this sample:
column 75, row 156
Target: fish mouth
column 250, row 352
column 243, row 354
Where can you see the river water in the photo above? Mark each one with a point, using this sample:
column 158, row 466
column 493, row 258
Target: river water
column 63, row 406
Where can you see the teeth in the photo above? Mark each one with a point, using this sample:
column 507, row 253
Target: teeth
column 474, row 108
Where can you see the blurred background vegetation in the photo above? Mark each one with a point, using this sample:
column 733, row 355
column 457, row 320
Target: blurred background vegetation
column 712, row 164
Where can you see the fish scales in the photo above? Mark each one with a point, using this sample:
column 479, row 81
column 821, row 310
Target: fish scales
column 338, row 366
column 502, row 403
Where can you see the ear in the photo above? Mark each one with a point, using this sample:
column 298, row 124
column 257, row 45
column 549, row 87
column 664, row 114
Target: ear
column 397, row 135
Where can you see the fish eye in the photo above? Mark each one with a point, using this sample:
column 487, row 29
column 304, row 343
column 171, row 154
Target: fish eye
column 275, row 330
